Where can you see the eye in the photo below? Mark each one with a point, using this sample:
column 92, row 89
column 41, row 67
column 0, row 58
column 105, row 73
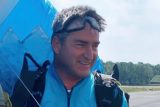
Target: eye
column 81, row 45
column 95, row 46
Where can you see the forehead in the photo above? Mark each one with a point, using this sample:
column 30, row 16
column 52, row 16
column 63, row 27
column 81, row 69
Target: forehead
column 86, row 34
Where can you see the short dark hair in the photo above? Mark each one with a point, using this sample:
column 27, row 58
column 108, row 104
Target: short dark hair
column 68, row 13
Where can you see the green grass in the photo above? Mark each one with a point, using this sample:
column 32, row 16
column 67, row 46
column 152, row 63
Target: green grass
column 156, row 79
column 140, row 88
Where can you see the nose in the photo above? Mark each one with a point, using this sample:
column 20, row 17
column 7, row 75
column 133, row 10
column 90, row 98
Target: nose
column 89, row 53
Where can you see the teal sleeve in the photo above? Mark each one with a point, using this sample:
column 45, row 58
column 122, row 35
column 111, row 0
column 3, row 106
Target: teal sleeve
column 124, row 104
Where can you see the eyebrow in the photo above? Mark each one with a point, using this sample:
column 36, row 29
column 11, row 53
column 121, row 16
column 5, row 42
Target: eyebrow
column 85, row 42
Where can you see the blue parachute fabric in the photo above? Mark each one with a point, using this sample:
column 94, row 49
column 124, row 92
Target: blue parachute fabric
column 28, row 14
column 98, row 66
column 38, row 45
column 12, row 52
column 10, row 62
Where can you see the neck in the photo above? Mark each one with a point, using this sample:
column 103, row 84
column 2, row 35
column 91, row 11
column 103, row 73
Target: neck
column 68, row 79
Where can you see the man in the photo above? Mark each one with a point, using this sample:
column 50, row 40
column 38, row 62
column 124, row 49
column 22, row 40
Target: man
column 68, row 81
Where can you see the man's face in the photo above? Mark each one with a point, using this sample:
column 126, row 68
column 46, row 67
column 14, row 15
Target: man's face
column 78, row 52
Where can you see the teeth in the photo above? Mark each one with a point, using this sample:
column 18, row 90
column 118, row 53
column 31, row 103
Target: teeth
column 84, row 63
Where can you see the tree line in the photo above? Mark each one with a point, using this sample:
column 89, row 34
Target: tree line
column 134, row 74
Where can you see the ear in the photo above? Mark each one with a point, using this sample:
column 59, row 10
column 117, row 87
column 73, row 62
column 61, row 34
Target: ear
column 56, row 45
column 115, row 73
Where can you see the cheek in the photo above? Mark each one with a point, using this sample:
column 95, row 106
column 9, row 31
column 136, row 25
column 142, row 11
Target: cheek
column 75, row 52
column 95, row 55
column 70, row 54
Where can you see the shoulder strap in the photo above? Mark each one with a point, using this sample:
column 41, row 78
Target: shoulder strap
column 107, row 92
column 20, row 93
column 38, row 88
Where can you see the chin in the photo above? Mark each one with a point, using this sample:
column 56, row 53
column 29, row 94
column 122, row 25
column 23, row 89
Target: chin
column 85, row 74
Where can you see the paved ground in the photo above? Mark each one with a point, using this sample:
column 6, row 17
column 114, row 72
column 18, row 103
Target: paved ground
column 145, row 99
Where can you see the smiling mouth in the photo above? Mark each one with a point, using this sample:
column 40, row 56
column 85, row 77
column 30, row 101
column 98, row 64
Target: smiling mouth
column 85, row 63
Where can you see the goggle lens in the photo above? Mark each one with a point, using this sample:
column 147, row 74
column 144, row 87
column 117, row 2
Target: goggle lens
column 78, row 24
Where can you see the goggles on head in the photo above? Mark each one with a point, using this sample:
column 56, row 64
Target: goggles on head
column 78, row 23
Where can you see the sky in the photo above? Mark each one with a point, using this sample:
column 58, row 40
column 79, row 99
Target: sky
column 132, row 33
